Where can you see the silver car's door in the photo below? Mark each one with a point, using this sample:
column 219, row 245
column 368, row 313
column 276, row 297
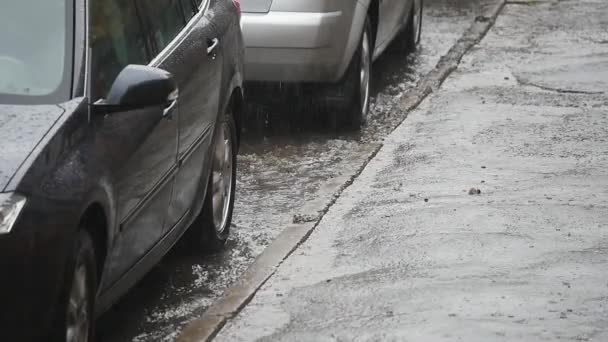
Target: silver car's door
column 393, row 15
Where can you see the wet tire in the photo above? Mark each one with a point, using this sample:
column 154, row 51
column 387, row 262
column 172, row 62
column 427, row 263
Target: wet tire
column 353, row 106
column 77, row 323
column 413, row 31
column 211, row 228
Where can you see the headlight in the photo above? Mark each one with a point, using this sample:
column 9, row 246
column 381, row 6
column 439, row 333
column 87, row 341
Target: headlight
column 10, row 207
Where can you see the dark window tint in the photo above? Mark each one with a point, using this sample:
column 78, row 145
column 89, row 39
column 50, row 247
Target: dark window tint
column 117, row 40
column 189, row 8
column 164, row 19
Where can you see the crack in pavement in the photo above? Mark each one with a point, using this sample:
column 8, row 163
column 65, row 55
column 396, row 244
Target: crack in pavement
column 528, row 2
column 524, row 82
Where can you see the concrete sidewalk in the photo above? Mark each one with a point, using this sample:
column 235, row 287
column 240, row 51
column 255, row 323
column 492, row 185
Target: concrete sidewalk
column 412, row 252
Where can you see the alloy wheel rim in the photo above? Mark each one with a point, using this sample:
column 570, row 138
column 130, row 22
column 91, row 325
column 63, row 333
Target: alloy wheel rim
column 365, row 73
column 78, row 320
column 222, row 177
column 416, row 24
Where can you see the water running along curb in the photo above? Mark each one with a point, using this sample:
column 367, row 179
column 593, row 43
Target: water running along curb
column 237, row 297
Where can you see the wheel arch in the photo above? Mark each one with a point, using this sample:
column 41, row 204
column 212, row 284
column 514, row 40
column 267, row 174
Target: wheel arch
column 237, row 103
column 235, row 99
column 98, row 218
column 363, row 9
column 94, row 221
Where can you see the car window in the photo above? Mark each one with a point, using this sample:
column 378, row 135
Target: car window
column 189, row 8
column 164, row 19
column 33, row 43
column 117, row 40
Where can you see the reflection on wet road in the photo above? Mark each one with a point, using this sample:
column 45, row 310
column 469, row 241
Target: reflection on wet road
column 284, row 160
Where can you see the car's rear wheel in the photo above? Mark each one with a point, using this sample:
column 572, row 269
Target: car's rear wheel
column 76, row 324
column 413, row 30
column 212, row 226
column 353, row 107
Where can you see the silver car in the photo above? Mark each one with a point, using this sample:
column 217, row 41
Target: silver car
column 330, row 43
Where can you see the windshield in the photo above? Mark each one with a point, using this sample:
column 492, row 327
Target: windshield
column 34, row 58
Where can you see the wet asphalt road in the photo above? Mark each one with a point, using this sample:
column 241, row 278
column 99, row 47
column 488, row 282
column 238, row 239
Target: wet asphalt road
column 283, row 163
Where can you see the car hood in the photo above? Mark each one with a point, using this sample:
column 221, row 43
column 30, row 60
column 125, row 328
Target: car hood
column 21, row 129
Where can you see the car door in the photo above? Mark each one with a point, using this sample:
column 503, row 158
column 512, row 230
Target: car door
column 393, row 15
column 194, row 57
column 146, row 142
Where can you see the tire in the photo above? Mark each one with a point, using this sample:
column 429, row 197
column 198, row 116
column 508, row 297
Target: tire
column 413, row 30
column 77, row 323
column 211, row 228
column 353, row 107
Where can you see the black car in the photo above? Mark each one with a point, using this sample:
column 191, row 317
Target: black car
column 119, row 127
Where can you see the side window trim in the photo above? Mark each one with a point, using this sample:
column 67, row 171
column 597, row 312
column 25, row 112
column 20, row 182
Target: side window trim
column 166, row 52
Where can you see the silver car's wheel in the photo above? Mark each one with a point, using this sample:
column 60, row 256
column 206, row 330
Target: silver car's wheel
column 414, row 29
column 365, row 75
column 417, row 23
column 222, row 177
column 78, row 318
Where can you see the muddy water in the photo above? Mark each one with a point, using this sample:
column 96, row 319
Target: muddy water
column 284, row 161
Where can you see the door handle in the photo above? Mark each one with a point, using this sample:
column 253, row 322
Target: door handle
column 212, row 45
column 169, row 108
column 171, row 103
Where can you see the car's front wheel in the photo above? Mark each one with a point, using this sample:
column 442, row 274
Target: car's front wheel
column 76, row 324
column 212, row 226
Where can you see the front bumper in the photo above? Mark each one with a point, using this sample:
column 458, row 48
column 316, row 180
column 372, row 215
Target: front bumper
column 294, row 46
column 17, row 307
column 32, row 259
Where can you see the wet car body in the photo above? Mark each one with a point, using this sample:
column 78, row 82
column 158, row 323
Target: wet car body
column 315, row 40
column 324, row 49
column 134, row 177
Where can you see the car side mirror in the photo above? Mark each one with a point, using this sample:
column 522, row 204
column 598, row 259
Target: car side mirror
column 140, row 86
